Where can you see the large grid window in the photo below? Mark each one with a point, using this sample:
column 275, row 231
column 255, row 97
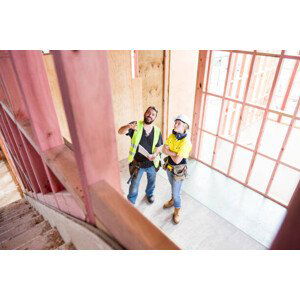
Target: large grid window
column 249, row 126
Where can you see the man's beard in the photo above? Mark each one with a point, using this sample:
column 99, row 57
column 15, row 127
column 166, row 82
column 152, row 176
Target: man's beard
column 148, row 122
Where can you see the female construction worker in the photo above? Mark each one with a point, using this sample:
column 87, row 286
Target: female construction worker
column 178, row 147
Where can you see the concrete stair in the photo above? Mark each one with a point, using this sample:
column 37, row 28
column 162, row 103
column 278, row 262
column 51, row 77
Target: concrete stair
column 23, row 228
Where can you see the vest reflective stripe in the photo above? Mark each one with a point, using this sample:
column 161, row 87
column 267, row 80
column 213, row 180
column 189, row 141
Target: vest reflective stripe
column 136, row 138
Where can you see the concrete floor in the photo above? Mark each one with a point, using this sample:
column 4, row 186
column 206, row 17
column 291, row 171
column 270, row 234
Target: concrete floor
column 217, row 212
column 8, row 190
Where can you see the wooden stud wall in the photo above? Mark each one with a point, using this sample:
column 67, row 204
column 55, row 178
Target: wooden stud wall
column 82, row 181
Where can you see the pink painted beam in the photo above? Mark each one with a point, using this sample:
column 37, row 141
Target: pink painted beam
column 13, row 146
column 86, row 92
column 241, row 114
column 204, row 105
column 30, row 69
column 221, row 110
column 12, row 90
column 197, row 102
column 264, row 121
column 288, row 133
column 37, row 166
column 23, row 155
column 289, row 87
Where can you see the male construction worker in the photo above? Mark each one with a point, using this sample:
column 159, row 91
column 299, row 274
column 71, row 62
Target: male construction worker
column 144, row 153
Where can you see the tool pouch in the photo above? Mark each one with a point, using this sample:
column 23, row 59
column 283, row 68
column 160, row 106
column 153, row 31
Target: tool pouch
column 180, row 172
column 134, row 169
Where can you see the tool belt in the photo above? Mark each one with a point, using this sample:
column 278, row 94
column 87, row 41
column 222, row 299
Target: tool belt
column 179, row 171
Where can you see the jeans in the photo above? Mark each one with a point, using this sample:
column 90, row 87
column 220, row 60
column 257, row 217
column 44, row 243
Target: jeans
column 134, row 186
column 176, row 189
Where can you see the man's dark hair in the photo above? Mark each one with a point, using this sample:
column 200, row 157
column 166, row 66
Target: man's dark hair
column 153, row 107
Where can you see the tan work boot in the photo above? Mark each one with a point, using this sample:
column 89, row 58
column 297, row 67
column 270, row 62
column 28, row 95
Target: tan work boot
column 176, row 219
column 169, row 203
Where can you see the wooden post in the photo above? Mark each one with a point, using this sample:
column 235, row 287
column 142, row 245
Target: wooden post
column 86, row 92
column 197, row 103
column 166, row 93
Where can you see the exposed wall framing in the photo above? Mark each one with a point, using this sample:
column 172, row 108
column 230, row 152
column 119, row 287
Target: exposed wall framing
column 83, row 182
column 247, row 91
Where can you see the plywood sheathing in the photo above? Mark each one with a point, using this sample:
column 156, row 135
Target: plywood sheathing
column 126, row 96
column 183, row 76
column 56, row 96
column 151, row 70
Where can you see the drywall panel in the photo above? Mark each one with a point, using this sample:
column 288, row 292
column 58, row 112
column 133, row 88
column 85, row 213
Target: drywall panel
column 183, row 76
column 126, row 96
column 151, row 70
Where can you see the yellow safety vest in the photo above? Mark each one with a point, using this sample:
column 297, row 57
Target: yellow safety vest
column 136, row 138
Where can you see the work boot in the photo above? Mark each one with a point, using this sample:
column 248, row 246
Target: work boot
column 176, row 219
column 150, row 199
column 169, row 203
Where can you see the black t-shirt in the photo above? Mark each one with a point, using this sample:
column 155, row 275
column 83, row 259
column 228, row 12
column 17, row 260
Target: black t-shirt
column 146, row 142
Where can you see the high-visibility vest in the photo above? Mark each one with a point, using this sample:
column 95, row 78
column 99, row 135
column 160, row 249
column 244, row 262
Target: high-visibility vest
column 136, row 138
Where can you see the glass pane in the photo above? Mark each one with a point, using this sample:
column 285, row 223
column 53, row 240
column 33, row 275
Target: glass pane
column 207, row 147
column 283, row 192
column 238, row 75
column 287, row 68
column 241, row 163
column 218, row 71
column 261, row 173
column 230, row 117
column 250, row 126
column 212, row 113
column 291, row 153
column 261, row 80
column 223, row 154
column 272, row 138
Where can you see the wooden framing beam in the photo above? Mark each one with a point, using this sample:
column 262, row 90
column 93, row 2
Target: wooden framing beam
column 95, row 150
column 30, row 69
column 167, row 59
column 197, row 102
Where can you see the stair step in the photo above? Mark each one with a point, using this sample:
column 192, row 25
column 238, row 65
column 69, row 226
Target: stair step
column 20, row 228
column 18, row 221
column 12, row 206
column 68, row 246
column 19, row 210
column 17, row 215
column 46, row 241
column 27, row 236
